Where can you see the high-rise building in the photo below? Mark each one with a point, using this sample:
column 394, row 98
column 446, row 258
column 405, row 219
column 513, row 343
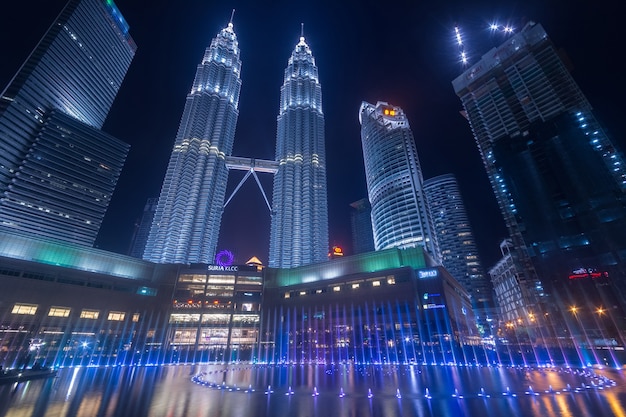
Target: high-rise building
column 459, row 253
column 558, row 179
column 361, row 224
column 57, row 170
column 189, row 212
column 400, row 214
column 299, row 229
column 142, row 229
column 512, row 295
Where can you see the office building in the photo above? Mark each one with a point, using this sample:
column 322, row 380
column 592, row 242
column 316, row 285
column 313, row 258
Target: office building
column 187, row 221
column 55, row 164
column 559, row 180
column 361, row 224
column 514, row 293
column 142, row 229
column 459, row 253
column 299, row 227
column 400, row 214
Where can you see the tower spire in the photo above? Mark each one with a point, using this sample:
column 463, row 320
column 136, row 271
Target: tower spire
column 230, row 22
column 301, row 34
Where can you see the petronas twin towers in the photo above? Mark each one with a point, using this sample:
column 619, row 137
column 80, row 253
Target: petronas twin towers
column 187, row 220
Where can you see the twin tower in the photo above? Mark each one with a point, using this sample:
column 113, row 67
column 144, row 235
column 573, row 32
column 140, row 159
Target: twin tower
column 187, row 221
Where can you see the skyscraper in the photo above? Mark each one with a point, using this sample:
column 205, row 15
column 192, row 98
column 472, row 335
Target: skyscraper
column 361, row 224
column 400, row 214
column 188, row 216
column 57, row 170
column 559, row 180
column 456, row 241
column 299, row 229
column 142, row 229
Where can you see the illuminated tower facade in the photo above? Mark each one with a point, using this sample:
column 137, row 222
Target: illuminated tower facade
column 299, row 229
column 459, row 254
column 559, row 180
column 57, row 169
column 186, row 224
column 400, row 214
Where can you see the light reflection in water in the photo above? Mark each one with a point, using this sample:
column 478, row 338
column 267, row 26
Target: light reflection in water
column 169, row 392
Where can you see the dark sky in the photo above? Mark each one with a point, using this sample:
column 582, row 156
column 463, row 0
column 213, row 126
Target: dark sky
column 401, row 52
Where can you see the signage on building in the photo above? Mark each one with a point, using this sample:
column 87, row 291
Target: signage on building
column 231, row 268
column 224, row 258
column 427, row 273
column 336, row 252
column 587, row 273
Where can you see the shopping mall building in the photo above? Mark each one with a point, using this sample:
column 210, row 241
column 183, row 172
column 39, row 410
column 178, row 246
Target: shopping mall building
column 62, row 304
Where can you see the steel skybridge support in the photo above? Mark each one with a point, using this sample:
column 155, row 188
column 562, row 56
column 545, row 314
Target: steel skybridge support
column 253, row 166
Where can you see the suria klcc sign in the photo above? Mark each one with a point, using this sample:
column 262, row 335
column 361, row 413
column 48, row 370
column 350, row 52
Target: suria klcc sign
column 229, row 268
column 427, row 273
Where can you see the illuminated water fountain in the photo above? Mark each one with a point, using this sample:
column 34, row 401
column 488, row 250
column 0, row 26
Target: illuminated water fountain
column 425, row 382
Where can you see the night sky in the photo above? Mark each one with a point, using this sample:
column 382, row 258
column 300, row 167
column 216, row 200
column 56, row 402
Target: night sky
column 400, row 52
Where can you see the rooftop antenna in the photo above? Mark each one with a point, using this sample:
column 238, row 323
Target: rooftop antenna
column 302, row 30
column 231, row 17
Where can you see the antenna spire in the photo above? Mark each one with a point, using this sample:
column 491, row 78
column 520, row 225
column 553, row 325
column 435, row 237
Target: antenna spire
column 231, row 17
column 302, row 30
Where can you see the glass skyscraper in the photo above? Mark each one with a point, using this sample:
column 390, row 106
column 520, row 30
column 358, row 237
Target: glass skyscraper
column 186, row 224
column 400, row 214
column 57, row 169
column 459, row 253
column 361, row 225
column 299, row 228
column 559, row 180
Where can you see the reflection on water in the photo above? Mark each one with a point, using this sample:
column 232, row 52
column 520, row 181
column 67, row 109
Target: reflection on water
column 242, row 391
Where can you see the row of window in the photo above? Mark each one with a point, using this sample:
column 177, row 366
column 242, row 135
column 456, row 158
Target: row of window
column 376, row 282
column 57, row 311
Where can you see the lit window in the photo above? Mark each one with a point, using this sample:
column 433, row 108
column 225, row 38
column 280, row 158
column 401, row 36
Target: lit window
column 336, row 289
column 355, row 286
column 184, row 318
column 29, row 309
column 375, row 283
column 302, row 292
column 287, row 295
column 135, row 317
column 59, row 312
column 391, row 280
column 318, row 291
column 116, row 316
column 89, row 314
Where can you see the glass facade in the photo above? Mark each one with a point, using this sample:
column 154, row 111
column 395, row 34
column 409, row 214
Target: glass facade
column 64, row 185
column 299, row 227
column 187, row 220
column 75, row 71
column 400, row 213
column 456, row 241
column 215, row 315
column 361, row 224
column 559, row 181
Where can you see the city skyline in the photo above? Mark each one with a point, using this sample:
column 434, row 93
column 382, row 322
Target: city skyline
column 419, row 83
